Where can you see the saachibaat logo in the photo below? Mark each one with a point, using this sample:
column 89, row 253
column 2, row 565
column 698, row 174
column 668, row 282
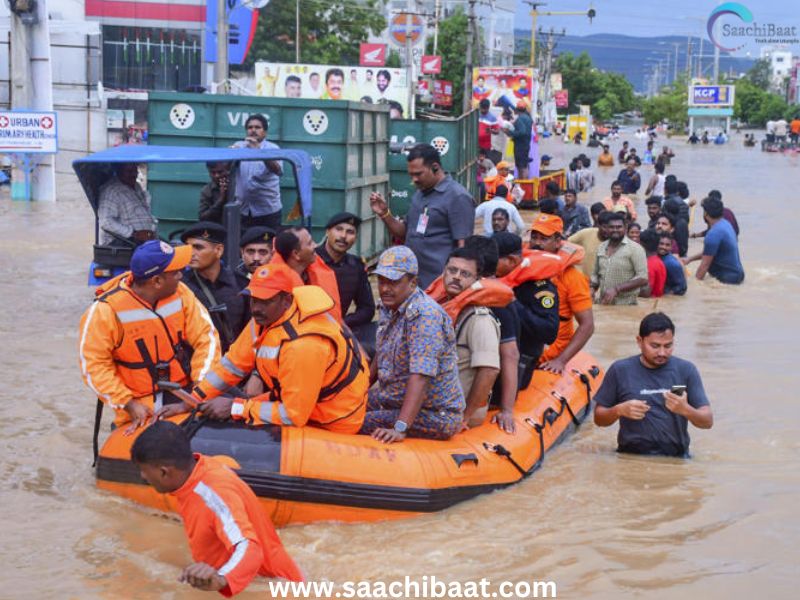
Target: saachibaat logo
column 728, row 8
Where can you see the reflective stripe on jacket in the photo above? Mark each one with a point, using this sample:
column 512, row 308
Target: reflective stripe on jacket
column 125, row 345
column 228, row 529
column 312, row 367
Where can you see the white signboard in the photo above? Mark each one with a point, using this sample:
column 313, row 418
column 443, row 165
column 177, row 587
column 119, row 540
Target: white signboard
column 28, row 132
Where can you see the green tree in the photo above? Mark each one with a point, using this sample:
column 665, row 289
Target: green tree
column 671, row 104
column 330, row 31
column 606, row 93
column 760, row 74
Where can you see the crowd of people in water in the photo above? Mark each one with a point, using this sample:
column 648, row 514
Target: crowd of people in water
column 289, row 335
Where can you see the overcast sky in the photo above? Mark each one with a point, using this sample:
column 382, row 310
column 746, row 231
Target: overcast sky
column 645, row 18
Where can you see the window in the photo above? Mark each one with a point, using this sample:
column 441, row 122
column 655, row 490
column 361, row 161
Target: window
column 146, row 58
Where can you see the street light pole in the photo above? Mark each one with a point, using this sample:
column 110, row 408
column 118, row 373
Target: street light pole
column 221, row 66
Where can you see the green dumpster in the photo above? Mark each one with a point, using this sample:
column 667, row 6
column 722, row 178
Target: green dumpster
column 347, row 141
column 455, row 139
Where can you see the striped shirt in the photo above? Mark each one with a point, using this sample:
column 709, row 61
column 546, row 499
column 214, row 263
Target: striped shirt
column 123, row 210
column 627, row 263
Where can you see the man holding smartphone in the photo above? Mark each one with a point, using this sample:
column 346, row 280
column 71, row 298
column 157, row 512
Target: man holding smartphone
column 654, row 395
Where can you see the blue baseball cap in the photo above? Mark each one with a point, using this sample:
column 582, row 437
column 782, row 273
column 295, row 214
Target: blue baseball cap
column 155, row 257
column 396, row 262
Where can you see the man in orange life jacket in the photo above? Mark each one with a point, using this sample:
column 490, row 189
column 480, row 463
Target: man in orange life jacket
column 467, row 298
column 146, row 326
column 296, row 248
column 230, row 537
column 536, row 298
column 312, row 368
column 574, row 295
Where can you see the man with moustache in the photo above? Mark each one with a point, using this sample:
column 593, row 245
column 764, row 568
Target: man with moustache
column 654, row 396
column 213, row 283
column 334, row 81
column 417, row 393
column 255, row 249
column 311, row 366
column 341, row 232
column 620, row 268
column 477, row 336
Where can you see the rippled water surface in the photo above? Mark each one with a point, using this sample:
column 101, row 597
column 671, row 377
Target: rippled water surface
column 722, row 525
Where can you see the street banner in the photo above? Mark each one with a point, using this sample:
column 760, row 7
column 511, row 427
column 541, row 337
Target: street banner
column 443, row 92
column 332, row 82
column 562, row 98
column 504, row 86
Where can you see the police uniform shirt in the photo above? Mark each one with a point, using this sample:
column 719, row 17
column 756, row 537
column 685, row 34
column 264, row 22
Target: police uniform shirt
column 242, row 275
column 537, row 308
column 351, row 277
column 225, row 291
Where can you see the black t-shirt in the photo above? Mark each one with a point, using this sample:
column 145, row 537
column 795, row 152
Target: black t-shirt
column 661, row 431
column 537, row 309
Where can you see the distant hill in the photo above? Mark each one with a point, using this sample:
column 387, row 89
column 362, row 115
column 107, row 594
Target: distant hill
column 628, row 55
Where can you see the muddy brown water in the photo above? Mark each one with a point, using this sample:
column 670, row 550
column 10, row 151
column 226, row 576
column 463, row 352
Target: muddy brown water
column 721, row 525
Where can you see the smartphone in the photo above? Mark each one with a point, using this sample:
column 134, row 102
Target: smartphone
column 679, row 390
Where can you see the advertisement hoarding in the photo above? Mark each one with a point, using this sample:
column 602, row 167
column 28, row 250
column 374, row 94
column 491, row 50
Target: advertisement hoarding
column 504, row 86
column 332, row 82
column 562, row 98
column 372, row 55
column 443, row 92
column 431, row 64
column 711, row 95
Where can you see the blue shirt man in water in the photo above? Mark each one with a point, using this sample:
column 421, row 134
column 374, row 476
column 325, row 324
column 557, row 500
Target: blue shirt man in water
column 654, row 396
column 720, row 256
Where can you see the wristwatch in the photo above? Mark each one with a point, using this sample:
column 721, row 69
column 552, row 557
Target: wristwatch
column 400, row 426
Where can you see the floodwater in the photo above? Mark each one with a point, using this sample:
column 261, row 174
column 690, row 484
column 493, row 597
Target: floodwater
column 721, row 525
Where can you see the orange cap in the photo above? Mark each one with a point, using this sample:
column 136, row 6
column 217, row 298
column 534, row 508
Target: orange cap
column 548, row 225
column 503, row 165
column 269, row 280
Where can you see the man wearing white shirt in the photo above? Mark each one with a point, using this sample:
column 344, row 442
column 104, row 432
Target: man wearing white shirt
column 485, row 209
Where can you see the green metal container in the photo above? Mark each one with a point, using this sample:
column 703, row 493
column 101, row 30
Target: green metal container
column 457, row 142
column 347, row 141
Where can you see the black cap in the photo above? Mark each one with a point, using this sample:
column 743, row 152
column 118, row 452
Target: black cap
column 257, row 235
column 507, row 243
column 205, row 230
column 343, row 217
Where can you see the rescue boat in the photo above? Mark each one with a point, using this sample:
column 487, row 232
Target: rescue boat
column 305, row 475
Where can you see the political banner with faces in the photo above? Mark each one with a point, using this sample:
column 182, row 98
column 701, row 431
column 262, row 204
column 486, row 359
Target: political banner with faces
column 373, row 85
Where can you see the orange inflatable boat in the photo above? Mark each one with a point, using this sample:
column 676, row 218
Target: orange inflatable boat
column 303, row 475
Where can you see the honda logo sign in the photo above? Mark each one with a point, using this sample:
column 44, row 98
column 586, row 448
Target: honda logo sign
column 431, row 64
column 373, row 55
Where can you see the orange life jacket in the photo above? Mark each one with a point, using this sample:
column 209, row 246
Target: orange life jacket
column 321, row 275
column 153, row 344
column 346, row 379
column 492, row 293
column 538, row 264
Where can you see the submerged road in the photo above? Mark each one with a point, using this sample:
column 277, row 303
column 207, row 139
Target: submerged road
column 721, row 525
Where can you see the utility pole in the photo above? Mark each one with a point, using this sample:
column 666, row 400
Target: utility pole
column 689, row 58
column 700, row 60
column 297, row 31
column 550, row 46
column 410, row 59
column 491, row 32
column 467, row 100
column 675, row 74
column 436, row 8
column 590, row 12
column 221, row 66
column 31, row 89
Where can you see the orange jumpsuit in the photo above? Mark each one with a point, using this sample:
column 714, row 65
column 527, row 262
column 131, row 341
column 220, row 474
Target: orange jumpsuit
column 228, row 529
column 125, row 345
column 311, row 365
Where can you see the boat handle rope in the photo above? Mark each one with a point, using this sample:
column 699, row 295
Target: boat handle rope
column 565, row 404
column 501, row 450
column 585, row 381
